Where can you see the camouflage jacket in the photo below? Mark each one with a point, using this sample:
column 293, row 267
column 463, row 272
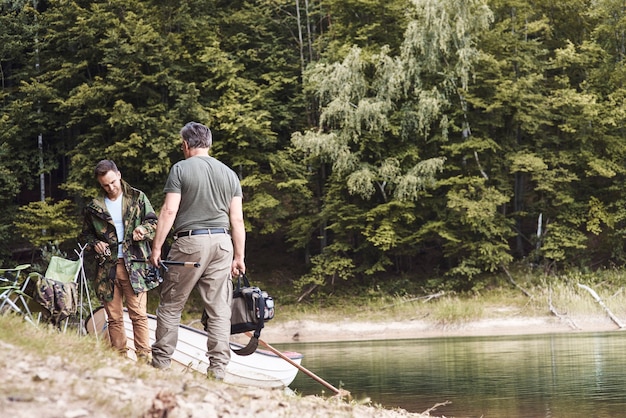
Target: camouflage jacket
column 98, row 226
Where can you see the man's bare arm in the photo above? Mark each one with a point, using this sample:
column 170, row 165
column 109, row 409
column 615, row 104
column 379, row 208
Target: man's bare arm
column 238, row 234
column 164, row 225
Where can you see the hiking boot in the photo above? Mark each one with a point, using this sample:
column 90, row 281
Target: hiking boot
column 216, row 374
column 144, row 358
column 159, row 366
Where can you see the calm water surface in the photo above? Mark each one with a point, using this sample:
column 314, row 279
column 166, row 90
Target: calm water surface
column 561, row 375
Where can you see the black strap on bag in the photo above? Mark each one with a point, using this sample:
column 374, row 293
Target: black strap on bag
column 237, row 328
column 254, row 340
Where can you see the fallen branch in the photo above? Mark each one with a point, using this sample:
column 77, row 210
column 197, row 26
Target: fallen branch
column 428, row 298
column 435, row 406
column 599, row 300
column 524, row 291
column 307, row 293
column 554, row 312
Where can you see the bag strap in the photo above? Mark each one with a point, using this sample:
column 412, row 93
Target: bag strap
column 261, row 323
column 246, row 282
column 254, row 340
column 261, row 302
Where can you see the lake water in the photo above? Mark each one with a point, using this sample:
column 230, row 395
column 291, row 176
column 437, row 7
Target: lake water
column 557, row 375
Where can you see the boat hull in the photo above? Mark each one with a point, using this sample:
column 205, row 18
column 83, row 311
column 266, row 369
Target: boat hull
column 260, row 369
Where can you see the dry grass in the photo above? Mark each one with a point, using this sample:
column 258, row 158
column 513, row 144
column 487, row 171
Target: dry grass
column 51, row 374
column 560, row 293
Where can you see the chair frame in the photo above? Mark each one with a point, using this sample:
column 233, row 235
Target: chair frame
column 13, row 291
column 80, row 279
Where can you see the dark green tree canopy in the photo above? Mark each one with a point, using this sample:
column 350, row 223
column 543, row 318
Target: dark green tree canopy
column 374, row 139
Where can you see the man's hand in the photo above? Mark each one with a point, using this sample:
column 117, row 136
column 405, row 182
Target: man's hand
column 155, row 257
column 102, row 248
column 238, row 267
column 139, row 233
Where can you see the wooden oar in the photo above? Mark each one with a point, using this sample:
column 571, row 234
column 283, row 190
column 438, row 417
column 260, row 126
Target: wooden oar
column 339, row 392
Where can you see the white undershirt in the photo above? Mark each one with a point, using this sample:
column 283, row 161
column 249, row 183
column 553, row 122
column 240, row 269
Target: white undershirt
column 115, row 209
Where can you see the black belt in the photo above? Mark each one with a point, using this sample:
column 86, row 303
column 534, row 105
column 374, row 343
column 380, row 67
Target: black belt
column 205, row 231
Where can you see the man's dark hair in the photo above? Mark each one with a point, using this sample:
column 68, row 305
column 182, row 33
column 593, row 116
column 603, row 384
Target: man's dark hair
column 104, row 167
column 196, row 135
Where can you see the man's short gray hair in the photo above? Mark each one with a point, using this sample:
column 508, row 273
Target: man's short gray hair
column 196, row 135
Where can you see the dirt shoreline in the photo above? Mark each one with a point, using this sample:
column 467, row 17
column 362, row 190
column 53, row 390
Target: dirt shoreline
column 346, row 330
column 63, row 378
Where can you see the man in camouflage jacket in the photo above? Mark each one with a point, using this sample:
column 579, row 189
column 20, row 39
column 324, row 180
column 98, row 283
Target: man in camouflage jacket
column 118, row 277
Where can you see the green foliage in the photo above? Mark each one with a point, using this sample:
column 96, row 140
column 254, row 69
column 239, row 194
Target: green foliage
column 377, row 159
column 9, row 183
column 474, row 205
column 561, row 242
column 261, row 207
column 368, row 24
column 47, row 222
column 326, row 270
column 379, row 139
column 8, row 240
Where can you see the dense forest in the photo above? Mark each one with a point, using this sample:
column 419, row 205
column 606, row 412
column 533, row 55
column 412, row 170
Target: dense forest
column 425, row 142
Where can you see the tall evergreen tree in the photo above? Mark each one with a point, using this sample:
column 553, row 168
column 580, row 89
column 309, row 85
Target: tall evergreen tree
column 534, row 101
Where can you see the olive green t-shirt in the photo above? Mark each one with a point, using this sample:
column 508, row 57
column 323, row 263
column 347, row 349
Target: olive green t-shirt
column 207, row 187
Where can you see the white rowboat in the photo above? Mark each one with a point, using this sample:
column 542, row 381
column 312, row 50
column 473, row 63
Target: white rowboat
column 260, row 369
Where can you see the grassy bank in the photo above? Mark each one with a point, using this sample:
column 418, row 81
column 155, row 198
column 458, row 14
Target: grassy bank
column 51, row 374
column 525, row 294
column 521, row 293
column 48, row 373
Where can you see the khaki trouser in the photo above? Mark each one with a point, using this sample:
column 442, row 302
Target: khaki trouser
column 215, row 255
column 136, row 305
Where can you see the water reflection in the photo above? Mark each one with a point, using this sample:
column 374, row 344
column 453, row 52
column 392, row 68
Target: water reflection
column 564, row 375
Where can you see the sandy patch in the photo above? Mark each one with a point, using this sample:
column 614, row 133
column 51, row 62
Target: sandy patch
column 345, row 330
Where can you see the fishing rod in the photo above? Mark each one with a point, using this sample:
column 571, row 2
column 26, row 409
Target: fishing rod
column 165, row 263
column 154, row 275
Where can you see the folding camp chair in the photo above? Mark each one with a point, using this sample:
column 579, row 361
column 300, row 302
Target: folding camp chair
column 62, row 290
column 13, row 287
column 56, row 290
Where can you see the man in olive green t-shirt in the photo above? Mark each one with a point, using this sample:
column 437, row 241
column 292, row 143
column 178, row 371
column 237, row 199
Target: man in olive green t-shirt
column 203, row 204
